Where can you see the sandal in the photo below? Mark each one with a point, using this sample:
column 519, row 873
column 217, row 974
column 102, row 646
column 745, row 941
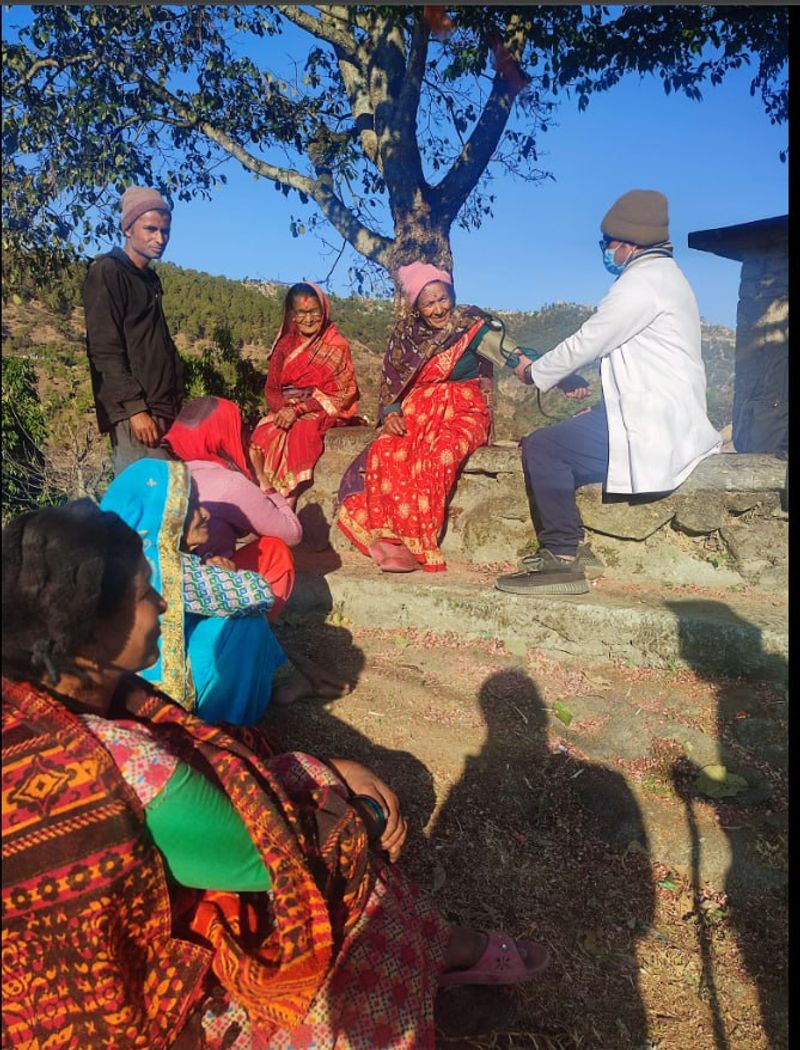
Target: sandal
column 501, row 963
column 393, row 557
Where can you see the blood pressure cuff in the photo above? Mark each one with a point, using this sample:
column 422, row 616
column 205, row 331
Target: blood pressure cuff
column 492, row 343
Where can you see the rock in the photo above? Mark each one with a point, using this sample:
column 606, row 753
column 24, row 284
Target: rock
column 702, row 749
column 736, row 472
column 483, row 547
column 490, row 533
column 756, row 548
column 700, row 514
column 627, row 520
column 739, row 502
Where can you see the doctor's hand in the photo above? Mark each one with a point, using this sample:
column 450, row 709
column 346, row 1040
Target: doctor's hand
column 363, row 781
column 574, row 386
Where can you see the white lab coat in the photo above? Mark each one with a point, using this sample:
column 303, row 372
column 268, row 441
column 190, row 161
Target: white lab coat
column 646, row 332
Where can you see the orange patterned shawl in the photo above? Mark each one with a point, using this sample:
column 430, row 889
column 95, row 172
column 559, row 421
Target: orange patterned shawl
column 90, row 952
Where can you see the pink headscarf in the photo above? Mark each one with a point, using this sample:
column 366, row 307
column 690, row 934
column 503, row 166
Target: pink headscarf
column 416, row 275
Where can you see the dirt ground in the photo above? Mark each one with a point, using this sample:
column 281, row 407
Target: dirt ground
column 644, row 954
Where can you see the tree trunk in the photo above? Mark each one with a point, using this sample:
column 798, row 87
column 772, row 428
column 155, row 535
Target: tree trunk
column 420, row 238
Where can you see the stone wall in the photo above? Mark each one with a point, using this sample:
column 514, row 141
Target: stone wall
column 760, row 402
column 725, row 526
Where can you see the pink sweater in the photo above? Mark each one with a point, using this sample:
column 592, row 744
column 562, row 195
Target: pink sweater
column 239, row 507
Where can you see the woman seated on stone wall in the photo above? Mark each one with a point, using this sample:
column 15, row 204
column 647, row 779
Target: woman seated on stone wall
column 311, row 387
column 434, row 411
column 209, row 437
column 168, row 883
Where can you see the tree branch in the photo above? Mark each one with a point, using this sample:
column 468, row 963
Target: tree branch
column 479, row 148
column 55, row 63
column 408, row 101
column 323, row 28
column 366, row 241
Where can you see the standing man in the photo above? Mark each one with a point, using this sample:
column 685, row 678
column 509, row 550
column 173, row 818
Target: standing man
column 651, row 429
column 137, row 376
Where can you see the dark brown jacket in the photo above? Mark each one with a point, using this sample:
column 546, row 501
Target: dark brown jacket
column 134, row 364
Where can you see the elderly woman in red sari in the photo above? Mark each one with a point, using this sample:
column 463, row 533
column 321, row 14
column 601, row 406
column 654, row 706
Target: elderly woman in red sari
column 311, row 387
column 434, row 411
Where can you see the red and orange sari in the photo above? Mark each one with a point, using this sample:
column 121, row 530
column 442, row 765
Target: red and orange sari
column 399, row 487
column 316, row 377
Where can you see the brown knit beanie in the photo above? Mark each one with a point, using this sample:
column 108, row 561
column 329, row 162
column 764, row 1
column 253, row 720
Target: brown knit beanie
column 136, row 200
column 638, row 217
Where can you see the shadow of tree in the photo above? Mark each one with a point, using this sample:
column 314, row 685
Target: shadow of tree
column 751, row 730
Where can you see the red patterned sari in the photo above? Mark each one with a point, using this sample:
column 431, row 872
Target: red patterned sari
column 316, row 377
column 408, row 480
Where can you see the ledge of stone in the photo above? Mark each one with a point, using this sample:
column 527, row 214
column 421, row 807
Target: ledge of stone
column 726, row 472
column 723, row 527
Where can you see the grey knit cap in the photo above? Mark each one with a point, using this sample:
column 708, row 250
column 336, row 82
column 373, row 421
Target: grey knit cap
column 136, row 200
column 638, row 217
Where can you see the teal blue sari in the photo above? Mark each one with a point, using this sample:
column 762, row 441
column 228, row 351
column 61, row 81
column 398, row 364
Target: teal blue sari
column 221, row 668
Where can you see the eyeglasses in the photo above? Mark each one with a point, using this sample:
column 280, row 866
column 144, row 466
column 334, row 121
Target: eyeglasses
column 309, row 315
column 604, row 243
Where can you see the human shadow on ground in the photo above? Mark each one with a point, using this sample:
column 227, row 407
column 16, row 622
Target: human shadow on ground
column 541, row 845
column 752, row 733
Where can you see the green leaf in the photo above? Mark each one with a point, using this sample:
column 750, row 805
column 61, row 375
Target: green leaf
column 562, row 713
column 665, row 884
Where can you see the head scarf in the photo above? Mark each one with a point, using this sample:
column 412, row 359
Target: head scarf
column 210, row 428
column 303, row 354
column 288, row 337
column 413, row 278
column 152, row 496
column 412, row 343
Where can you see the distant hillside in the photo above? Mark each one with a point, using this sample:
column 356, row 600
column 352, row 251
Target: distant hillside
column 224, row 329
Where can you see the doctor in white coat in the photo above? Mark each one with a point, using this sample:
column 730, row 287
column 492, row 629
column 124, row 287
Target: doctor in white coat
column 651, row 429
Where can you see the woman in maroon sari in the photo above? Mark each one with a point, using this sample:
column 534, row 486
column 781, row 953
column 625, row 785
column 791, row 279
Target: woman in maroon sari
column 434, row 411
column 311, row 387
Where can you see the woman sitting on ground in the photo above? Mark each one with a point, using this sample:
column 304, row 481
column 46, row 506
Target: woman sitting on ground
column 209, row 437
column 434, row 411
column 311, row 387
column 218, row 656
column 167, row 883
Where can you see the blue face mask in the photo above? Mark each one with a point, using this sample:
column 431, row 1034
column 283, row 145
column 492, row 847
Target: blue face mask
column 609, row 263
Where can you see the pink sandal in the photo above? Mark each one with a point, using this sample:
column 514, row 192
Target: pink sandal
column 501, row 963
column 393, row 557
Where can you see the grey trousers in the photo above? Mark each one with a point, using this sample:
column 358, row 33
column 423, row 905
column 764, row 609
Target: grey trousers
column 126, row 449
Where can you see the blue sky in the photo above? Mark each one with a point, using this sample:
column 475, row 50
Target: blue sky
column 716, row 160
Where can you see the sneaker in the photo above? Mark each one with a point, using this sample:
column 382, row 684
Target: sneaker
column 545, row 574
column 586, row 559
